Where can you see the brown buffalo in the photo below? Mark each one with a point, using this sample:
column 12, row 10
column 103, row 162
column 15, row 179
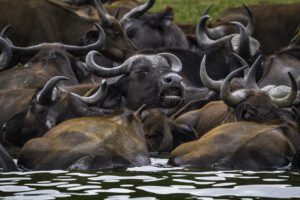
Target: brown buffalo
column 29, row 113
column 88, row 143
column 273, row 25
column 261, row 135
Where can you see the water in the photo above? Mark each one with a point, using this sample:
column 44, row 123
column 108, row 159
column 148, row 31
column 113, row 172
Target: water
column 150, row 182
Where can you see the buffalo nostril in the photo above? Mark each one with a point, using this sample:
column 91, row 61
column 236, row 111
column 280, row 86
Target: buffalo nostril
column 167, row 79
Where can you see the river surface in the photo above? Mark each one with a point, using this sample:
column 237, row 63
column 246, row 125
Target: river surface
column 157, row 181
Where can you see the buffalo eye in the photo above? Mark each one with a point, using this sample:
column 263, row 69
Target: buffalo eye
column 141, row 74
column 131, row 32
column 32, row 107
column 246, row 112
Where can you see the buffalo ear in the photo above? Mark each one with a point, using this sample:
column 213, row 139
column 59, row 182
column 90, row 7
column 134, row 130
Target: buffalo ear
column 12, row 129
column 89, row 38
column 182, row 134
column 167, row 18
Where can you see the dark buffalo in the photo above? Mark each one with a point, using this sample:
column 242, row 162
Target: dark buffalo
column 266, row 135
column 153, row 30
column 42, row 21
column 139, row 28
column 221, row 61
column 47, row 108
column 118, row 46
column 287, row 59
column 49, row 60
column 57, row 24
column 142, row 79
column 273, row 25
column 216, row 113
column 88, row 143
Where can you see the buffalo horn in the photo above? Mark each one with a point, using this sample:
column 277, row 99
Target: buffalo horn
column 206, row 80
column 289, row 98
column 202, row 38
column 138, row 113
column 74, row 50
column 226, row 95
column 173, row 60
column 6, row 54
column 103, row 14
column 243, row 40
column 103, row 71
column 44, row 97
column 251, row 23
column 250, row 78
column 138, row 11
column 97, row 98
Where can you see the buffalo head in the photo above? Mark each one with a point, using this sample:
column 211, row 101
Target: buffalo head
column 153, row 30
column 118, row 46
column 161, row 133
column 48, row 107
column 252, row 103
column 144, row 79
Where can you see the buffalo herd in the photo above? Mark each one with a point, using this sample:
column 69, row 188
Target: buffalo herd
column 91, row 84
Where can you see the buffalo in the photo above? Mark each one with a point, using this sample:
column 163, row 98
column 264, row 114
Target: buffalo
column 50, row 59
column 155, row 30
column 88, row 143
column 161, row 134
column 139, row 28
column 36, row 111
column 48, row 107
column 260, row 133
column 267, row 23
column 42, row 21
column 287, row 59
column 142, row 79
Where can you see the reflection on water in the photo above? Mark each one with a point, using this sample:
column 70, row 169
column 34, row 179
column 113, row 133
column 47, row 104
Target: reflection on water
column 150, row 182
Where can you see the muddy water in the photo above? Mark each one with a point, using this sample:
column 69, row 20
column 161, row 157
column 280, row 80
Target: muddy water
column 157, row 181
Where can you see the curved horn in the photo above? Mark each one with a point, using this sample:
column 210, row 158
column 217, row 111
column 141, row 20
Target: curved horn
column 207, row 9
column 215, row 32
column 250, row 79
column 202, row 38
column 138, row 113
column 138, row 11
column 226, row 95
column 117, row 13
column 103, row 14
column 83, row 50
column 74, row 50
column 206, row 80
column 97, row 98
column 243, row 40
column 102, row 71
column 44, row 97
column 243, row 62
column 4, row 31
column 251, row 23
column 173, row 60
column 240, row 59
column 6, row 54
column 288, row 99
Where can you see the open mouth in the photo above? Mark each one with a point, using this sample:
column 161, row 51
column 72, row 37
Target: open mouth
column 171, row 97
